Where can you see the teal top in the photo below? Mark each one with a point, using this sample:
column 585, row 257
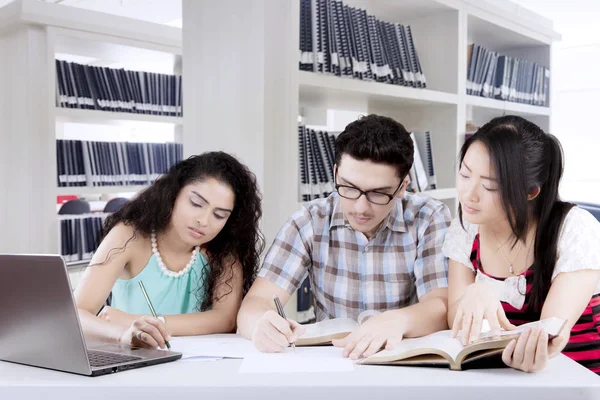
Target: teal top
column 168, row 295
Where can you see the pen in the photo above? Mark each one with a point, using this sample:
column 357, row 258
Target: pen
column 281, row 313
column 150, row 306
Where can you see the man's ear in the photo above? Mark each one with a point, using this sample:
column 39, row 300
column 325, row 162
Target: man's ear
column 404, row 186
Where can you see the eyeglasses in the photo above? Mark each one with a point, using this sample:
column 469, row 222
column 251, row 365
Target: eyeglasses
column 354, row 193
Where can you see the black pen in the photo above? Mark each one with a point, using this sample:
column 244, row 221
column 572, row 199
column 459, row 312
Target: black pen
column 281, row 313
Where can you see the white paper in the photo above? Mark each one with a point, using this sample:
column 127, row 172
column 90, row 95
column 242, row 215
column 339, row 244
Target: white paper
column 303, row 359
column 220, row 346
column 200, row 358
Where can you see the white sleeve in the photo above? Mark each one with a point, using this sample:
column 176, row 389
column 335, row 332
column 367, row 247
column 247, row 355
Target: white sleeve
column 578, row 243
column 459, row 242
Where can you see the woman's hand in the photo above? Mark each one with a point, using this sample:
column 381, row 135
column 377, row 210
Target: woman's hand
column 478, row 303
column 145, row 331
column 117, row 316
column 531, row 351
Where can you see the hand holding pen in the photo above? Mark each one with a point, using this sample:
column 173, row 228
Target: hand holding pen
column 282, row 315
column 273, row 332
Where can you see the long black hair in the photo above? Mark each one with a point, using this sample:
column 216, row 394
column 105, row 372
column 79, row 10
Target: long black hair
column 239, row 240
column 526, row 158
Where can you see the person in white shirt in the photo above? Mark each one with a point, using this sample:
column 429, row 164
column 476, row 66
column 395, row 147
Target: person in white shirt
column 517, row 252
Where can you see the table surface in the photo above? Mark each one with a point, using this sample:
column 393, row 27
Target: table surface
column 189, row 379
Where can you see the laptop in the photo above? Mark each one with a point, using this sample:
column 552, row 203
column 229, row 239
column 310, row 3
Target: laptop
column 39, row 323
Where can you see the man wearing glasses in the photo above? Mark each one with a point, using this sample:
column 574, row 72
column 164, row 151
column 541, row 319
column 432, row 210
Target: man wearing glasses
column 368, row 248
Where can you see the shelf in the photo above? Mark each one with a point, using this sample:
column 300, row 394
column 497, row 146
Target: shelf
column 399, row 11
column 104, row 117
column 327, row 91
column 442, row 194
column 498, row 27
column 507, row 106
column 98, row 189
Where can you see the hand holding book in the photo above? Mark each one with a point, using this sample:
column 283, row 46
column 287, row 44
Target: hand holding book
column 440, row 348
column 532, row 349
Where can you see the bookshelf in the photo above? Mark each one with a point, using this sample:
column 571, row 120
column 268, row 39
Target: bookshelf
column 245, row 100
column 32, row 36
column 259, row 82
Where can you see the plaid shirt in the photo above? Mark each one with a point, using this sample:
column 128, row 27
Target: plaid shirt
column 350, row 274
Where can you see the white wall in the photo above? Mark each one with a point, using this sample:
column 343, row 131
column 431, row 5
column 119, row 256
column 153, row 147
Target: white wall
column 576, row 92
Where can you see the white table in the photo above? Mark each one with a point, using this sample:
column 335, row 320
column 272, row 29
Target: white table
column 183, row 379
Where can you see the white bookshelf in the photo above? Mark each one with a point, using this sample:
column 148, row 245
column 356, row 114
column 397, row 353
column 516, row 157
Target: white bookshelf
column 32, row 36
column 442, row 29
column 247, row 95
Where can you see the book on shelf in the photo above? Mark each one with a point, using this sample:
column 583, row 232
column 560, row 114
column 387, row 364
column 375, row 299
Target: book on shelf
column 316, row 161
column 118, row 90
column 80, row 235
column 86, row 163
column 422, row 173
column 440, row 349
column 498, row 76
column 346, row 41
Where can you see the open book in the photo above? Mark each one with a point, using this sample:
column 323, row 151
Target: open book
column 324, row 332
column 441, row 349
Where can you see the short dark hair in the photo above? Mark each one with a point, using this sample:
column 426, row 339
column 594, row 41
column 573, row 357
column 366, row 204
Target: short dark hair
column 378, row 139
column 525, row 158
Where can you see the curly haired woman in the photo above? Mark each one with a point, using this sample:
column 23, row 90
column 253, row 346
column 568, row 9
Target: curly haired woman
column 192, row 237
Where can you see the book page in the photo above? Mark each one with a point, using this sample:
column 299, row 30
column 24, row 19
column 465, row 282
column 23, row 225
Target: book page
column 442, row 340
column 303, row 359
column 552, row 326
column 329, row 327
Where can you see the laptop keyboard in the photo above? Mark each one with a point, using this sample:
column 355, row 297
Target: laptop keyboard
column 101, row 358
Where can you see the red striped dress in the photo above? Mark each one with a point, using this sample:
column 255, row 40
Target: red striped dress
column 584, row 342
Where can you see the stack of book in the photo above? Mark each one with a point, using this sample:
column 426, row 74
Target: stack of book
column 117, row 90
column 346, row 41
column 84, row 163
column 80, row 235
column 317, row 158
column 498, row 76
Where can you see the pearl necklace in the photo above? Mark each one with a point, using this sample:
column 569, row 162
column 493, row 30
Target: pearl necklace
column 163, row 267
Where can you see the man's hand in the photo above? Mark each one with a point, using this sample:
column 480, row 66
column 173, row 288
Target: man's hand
column 385, row 329
column 272, row 333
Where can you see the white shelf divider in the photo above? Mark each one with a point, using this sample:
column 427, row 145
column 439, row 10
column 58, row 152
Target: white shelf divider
column 508, row 106
column 83, row 190
column 318, row 89
column 101, row 117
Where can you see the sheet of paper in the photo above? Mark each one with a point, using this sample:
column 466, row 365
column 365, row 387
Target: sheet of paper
column 200, row 358
column 303, row 359
column 219, row 346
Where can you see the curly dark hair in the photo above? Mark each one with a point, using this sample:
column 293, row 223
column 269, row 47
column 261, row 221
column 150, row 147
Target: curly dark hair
column 378, row 139
column 240, row 239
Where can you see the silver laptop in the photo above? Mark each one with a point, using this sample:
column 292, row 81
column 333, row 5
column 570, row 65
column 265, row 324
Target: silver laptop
column 39, row 322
